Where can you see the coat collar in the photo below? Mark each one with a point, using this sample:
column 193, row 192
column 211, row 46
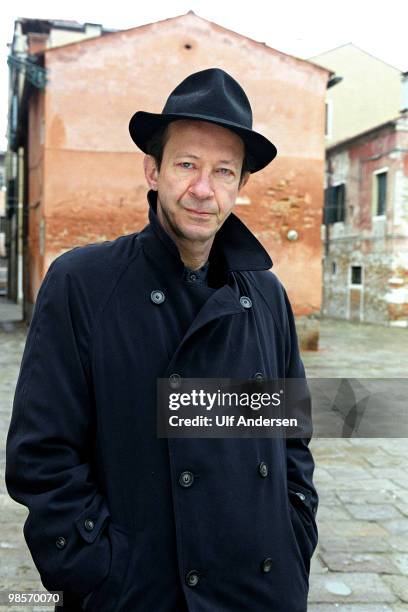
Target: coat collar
column 234, row 246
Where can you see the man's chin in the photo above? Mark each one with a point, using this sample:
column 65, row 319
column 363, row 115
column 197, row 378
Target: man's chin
column 197, row 235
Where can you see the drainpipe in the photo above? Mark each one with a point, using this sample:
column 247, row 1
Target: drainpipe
column 327, row 219
column 404, row 92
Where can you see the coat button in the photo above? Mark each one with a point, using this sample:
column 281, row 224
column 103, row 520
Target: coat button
column 192, row 578
column 89, row 524
column 259, row 377
column 245, row 301
column 174, row 380
column 192, row 277
column 60, row 542
column 157, row 296
column 186, row 479
column 266, row 565
column 263, row 469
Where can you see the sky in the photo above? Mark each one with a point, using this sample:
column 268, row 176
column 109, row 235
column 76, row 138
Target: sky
column 299, row 27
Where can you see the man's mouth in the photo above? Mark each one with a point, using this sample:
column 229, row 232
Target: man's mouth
column 203, row 213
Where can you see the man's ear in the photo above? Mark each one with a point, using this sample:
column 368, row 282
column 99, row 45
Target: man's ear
column 244, row 180
column 151, row 172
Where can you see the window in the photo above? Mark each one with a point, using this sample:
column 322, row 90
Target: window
column 328, row 119
column 380, row 193
column 335, row 203
column 356, row 275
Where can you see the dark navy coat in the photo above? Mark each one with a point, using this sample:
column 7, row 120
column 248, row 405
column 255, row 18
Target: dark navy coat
column 110, row 513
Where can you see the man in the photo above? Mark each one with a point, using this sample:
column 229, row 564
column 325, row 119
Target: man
column 122, row 520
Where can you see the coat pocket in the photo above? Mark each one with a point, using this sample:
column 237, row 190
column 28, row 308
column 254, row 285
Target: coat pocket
column 303, row 523
column 107, row 594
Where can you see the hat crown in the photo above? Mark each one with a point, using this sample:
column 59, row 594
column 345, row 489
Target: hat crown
column 208, row 95
column 212, row 93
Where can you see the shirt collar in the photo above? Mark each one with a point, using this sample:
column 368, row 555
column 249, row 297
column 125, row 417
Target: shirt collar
column 197, row 277
column 234, row 244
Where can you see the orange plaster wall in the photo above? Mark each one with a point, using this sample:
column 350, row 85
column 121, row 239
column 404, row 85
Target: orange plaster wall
column 94, row 188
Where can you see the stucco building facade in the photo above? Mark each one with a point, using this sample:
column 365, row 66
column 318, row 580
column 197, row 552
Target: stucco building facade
column 369, row 92
column 84, row 176
column 366, row 243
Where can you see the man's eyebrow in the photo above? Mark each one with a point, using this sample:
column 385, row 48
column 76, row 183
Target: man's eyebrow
column 187, row 155
column 221, row 161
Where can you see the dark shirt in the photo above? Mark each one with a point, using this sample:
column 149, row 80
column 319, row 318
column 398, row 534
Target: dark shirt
column 195, row 283
column 197, row 277
column 194, row 286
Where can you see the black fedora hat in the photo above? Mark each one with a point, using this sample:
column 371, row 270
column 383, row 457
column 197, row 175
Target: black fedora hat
column 209, row 95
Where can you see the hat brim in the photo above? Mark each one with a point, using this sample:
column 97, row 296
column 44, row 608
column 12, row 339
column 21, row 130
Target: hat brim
column 143, row 125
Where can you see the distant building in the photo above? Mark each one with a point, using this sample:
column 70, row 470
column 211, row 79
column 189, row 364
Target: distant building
column 84, row 177
column 2, row 208
column 26, row 80
column 368, row 95
column 366, row 242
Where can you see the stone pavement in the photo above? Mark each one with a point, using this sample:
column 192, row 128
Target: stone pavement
column 9, row 312
column 361, row 562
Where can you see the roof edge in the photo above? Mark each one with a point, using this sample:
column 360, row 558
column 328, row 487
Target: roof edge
column 376, row 128
column 379, row 59
column 215, row 25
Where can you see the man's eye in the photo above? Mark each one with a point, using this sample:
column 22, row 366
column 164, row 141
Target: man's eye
column 185, row 165
column 225, row 171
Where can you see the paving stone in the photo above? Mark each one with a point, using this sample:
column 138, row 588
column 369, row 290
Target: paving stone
column 364, row 484
column 402, row 495
column 349, row 472
column 389, row 472
column 317, row 566
column 327, row 498
column 6, row 503
column 361, row 588
column 397, row 526
column 398, row 543
column 15, row 585
column 332, row 513
column 16, row 563
column 351, row 528
column 330, row 459
column 338, row 607
column 394, row 451
column 361, row 445
column 399, row 585
column 401, row 482
column 393, row 446
column 401, row 561
column 385, row 460
column 26, row 609
column 365, row 545
column 321, row 475
column 368, row 497
column 359, row 562
column 374, row 512
column 402, row 508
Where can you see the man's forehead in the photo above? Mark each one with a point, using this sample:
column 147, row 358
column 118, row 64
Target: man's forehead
column 185, row 131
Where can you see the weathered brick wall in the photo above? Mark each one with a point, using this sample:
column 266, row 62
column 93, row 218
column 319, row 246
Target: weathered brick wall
column 379, row 245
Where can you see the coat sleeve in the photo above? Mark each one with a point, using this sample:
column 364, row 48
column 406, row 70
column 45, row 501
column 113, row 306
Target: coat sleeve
column 300, row 463
column 48, row 468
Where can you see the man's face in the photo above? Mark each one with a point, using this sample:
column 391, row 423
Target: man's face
column 199, row 178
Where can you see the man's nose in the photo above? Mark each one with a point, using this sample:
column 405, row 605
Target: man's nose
column 201, row 187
